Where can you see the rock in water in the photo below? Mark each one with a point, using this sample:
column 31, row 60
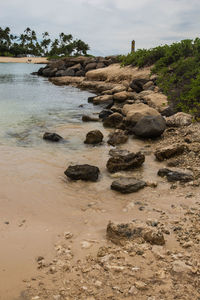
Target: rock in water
column 127, row 185
column 117, row 137
column 53, row 137
column 113, row 120
column 86, row 118
column 125, row 162
column 94, row 137
column 173, row 176
column 150, row 127
column 83, row 172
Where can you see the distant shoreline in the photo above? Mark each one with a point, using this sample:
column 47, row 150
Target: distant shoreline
column 33, row 60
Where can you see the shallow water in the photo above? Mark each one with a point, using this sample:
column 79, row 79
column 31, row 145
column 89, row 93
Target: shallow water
column 30, row 105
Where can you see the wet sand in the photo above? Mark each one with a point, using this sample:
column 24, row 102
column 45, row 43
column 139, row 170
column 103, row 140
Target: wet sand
column 32, row 60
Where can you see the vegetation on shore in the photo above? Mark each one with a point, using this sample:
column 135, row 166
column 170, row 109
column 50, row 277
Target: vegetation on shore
column 178, row 70
column 27, row 43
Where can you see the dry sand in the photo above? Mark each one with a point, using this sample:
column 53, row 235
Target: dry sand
column 33, row 60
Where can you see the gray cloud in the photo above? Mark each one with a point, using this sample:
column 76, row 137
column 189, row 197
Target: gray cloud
column 108, row 26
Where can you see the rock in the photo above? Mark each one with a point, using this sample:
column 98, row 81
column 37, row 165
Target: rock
column 118, row 152
column 125, row 162
column 127, row 185
column 90, row 66
column 170, row 151
column 149, row 86
column 105, row 113
column 123, row 96
column 179, row 119
column 100, row 65
column 86, row 118
column 102, row 99
column 134, row 112
column 83, row 172
column 150, row 127
column 173, row 176
column 94, row 137
column 137, row 85
column 67, row 72
column 168, row 111
column 155, row 100
column 121, row 233
column 52, row 136
column 142, row 286
column 75, row 68
column 118, row 89
column 117, row 137
column 113, row 120
column 80, row 73
column 179, row 266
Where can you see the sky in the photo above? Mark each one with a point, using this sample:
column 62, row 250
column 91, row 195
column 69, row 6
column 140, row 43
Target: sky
column 108, row 26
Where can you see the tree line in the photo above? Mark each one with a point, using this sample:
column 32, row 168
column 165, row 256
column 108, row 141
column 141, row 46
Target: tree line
column 28, row 43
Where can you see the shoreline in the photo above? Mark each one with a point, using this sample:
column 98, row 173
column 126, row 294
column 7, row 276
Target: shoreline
column 32, row 60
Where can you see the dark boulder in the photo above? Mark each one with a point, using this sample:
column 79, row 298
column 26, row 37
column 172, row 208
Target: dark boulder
column 94, row 137
column 113, row 120
column 53, row 137
column 117, row 137
column 137, row 85
column 105, row 113
column 168, row 112
column 83, row 172
column 67, row 72
column 127, row 185
column 86, row 118
column 173, row 176
column 80, row 73
column 125, row 162
column 150, row 127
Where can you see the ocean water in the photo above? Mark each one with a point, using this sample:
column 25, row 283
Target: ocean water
column 31, row 105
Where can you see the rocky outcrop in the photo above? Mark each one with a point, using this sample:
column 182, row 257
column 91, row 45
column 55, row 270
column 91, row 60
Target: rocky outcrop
column 52, row 136
column 117, row 137
column 173, row 176
column 127, row 185
column 120, row 162
column 170, row 151
column 94, row 137
column 134, row 112
column 150, row 127
column 122, row 233
column 83, row 172
column 179, row 119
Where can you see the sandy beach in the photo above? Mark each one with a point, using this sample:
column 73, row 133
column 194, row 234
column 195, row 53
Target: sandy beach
column 33, row 60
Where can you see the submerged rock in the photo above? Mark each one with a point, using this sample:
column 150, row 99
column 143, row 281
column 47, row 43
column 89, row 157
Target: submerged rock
column 125, row 162
column 173, row 176
column 52, row 136
column 117, row 137
column 150, row 127
column 94, row 137
column 83, row 172
column 170, row 151
column 127, row 185
column 86, row 118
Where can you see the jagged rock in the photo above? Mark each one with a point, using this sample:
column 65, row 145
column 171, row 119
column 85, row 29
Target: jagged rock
column 86, row 118
column 150, row 127
column 125, row 162
column 52, row 136
column 83, row 172
column 117, row 137
column 105, row 113
column 127, row 185
column 124, row 232
column 113, row 120
column 94, row 137
column 179, row 119
column 134, row 112
column 173, row 176
column 102, row 99
column 170, row 151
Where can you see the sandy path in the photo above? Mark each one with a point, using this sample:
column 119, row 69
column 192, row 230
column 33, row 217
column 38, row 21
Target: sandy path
column 33, row 60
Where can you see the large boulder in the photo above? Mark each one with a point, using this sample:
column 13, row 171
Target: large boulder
column 52, row 136
column 169, row 151
column 83, row 172
column 125, row 162
column 94, row 137
column 117, row 137
column 179, row 119
column 155, row 100
column 150, row 127
column 127, row 185
column 173, row 176
column 113, row 120
column 134, row 112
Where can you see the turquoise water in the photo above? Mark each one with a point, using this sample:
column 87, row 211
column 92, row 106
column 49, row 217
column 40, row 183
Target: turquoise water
column 30, row 105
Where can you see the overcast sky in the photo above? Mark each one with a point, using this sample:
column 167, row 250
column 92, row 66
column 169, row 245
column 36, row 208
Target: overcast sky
column 108, row 26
